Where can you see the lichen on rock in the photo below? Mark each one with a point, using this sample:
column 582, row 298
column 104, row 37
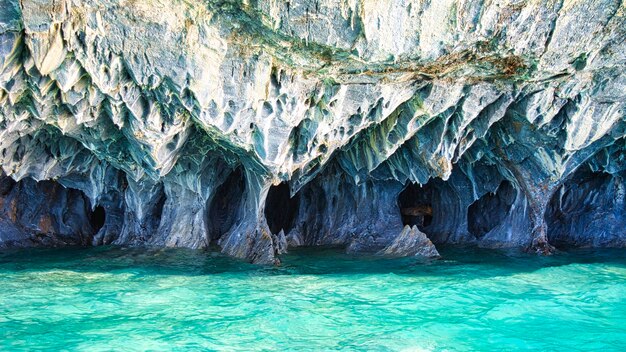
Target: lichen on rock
column 178, row 120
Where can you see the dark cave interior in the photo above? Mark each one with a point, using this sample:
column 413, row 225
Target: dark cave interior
column 280, row 208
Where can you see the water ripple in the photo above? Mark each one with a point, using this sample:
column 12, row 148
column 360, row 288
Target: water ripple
column 104, row 299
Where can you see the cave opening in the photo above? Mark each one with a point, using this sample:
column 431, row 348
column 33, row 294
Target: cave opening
column 97, row 218
column 280, row 208
column 488, row 211
column 587, row 211
column 6, row 184
column 416, row 205
column 225, row 204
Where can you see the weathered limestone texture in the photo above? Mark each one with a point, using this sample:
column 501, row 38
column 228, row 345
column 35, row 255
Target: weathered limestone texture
column 258, row 125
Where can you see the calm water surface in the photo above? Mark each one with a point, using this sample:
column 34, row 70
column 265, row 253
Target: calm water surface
column 104, row 299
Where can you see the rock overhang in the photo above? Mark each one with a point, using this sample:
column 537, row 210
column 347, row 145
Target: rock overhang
column 134, row 101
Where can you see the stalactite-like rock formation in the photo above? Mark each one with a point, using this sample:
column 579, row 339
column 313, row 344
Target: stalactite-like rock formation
column 260, row 125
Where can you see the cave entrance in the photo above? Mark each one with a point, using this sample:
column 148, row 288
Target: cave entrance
column 587, row 211
column 97, row 218
column 490, row 210
column 416, row 205
column 6, row 184
column 225, row 204
column 281, row 208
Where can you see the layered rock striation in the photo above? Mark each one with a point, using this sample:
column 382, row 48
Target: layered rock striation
column 260, row 125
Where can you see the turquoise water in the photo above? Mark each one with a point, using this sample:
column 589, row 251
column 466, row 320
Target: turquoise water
column 104, row 299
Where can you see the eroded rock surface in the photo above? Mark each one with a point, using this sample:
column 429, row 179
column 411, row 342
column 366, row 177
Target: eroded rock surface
column 494, row 123
column 411, row 242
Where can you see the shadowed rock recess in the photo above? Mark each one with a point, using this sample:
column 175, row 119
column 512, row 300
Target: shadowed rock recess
column 382, row 126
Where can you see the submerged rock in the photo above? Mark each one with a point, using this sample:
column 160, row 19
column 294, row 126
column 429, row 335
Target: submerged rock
column 410, row 242
column 192, row 123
